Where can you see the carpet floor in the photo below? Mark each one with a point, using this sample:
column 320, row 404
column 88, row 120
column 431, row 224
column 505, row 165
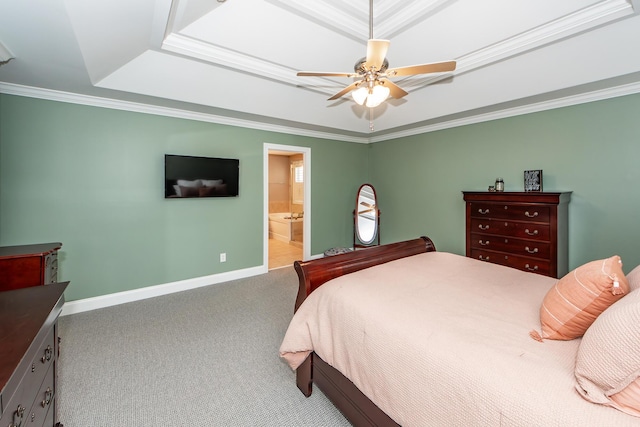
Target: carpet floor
column 204, row 357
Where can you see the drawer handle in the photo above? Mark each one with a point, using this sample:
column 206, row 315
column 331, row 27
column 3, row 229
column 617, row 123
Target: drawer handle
column 481, row 258
column 531, row 233
column 534, row 268
column 18, row 417
column 533, row 215
column 47, row 354
column 483, row 212
column 48, row 395
column 483, row 227
column 531, row 251
column 485, row 243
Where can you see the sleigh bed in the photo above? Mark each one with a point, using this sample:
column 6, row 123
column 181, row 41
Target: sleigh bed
column 401, row 334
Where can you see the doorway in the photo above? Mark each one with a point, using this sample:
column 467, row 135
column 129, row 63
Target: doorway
column 287, row 213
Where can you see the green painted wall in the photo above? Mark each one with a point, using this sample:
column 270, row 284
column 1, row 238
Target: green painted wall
column 591, row 149
column 92, row 178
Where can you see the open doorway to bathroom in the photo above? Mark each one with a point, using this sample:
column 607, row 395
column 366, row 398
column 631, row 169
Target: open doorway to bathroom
column 287, row 219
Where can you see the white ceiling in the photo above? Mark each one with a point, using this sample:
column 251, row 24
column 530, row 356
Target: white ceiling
column 236, row 61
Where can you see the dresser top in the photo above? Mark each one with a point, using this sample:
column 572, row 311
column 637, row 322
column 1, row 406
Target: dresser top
column 39, row 249
column 518, row 196
column 24, row 313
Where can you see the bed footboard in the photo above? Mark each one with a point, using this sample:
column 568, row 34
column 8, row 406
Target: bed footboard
column 313, row 274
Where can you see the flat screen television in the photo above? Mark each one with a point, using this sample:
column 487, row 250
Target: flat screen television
column 191, row 177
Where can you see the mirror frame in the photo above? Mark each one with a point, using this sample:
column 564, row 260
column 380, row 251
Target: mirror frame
column 358, row 240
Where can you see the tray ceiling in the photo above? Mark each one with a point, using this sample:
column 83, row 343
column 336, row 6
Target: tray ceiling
column 236, row 61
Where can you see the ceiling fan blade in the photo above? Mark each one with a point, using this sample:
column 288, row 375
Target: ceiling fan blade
column 394, row 90
column 347, row 89
column 323, row 74
column 376, row 52
column 436, row 67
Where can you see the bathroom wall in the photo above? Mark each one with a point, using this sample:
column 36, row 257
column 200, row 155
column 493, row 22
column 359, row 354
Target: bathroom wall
column 279, row 198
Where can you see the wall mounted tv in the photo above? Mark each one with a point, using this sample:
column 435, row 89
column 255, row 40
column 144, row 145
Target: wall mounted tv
column 190, row 177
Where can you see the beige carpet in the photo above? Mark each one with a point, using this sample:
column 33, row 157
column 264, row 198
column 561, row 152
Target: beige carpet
column 205, row 357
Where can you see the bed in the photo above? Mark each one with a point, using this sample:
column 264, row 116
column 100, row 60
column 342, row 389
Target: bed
column 354, row 312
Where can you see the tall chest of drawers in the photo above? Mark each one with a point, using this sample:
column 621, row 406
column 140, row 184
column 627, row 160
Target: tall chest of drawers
column 29, row 355
column 524, row 230
column 28, row 265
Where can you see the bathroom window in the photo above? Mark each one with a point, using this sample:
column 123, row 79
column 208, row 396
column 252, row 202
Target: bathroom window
column 297, row 186
column 298, row 173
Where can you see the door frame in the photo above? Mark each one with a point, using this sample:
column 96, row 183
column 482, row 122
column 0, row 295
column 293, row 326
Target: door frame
column 306, row 224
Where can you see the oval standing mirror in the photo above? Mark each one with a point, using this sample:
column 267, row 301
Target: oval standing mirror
column 366, row 218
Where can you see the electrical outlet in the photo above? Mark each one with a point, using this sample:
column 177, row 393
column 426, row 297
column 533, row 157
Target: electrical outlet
column 223, row 257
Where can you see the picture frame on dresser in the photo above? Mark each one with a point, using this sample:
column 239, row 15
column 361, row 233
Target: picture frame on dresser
column 533, row 180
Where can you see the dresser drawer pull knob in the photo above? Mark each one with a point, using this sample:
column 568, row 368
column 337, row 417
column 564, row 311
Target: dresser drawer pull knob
column 483, row 227
column 483, row 212
column 481, row 258
column 485, row 243
column 531, row 251
column 533, row 215
column 18, row 417
column 534, row 268
column 531, row 233
column 47, row 354
column 48, row 395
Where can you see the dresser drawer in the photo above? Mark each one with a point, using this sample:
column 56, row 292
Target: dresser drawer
column 511, row 228
column 43, row 401
column 521, row 263
column 510, row 211
column 20, row 403
column 530, row 248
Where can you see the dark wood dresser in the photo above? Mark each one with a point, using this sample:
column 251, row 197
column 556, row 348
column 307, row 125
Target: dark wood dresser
column 524, row 230
column 29, row 355
column 28, row 265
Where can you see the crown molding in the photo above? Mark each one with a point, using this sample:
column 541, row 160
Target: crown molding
column 598, row 95
column 94, row 101
column 52, row 95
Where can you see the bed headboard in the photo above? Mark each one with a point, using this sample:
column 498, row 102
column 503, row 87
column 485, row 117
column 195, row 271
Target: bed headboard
column 312, row 274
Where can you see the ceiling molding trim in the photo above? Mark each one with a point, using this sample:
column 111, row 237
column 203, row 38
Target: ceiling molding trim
column 217, row 55
column 406, row 16
column 599, row 95
column 564, row 27
column 94, row 101
column 329, row 16
column 52, row 95
column 567, row 26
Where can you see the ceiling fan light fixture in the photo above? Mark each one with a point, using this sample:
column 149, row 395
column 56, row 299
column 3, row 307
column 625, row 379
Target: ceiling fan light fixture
column 360, row 95
column 377, row 96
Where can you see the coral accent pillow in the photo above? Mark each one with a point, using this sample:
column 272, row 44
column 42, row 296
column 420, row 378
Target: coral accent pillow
column 575, row 301
column 608, row 359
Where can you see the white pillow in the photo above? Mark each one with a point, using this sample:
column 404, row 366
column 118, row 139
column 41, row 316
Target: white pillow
column 608, row 360
column 211, row 182
column 185, row 183
column 634, row 278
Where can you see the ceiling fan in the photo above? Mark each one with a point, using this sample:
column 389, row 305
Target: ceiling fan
column 373, row 85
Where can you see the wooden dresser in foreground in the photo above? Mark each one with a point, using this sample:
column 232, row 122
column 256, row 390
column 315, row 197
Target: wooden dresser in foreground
column 29, row 355
column 28, row 265
column 524, row 230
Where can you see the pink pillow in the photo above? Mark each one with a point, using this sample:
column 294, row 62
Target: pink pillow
column 608, row 360
column 634, row 278
column 575, row 301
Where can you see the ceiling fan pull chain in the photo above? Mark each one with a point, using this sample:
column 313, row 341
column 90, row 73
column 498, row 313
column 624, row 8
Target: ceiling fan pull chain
column 371, row 119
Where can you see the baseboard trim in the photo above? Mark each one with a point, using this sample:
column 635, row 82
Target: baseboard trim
column 103, row 301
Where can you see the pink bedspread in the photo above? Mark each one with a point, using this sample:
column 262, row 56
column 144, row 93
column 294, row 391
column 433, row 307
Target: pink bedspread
column 438, row 339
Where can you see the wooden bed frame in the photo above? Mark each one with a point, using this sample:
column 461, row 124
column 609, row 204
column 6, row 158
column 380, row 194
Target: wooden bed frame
column 355, row 406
